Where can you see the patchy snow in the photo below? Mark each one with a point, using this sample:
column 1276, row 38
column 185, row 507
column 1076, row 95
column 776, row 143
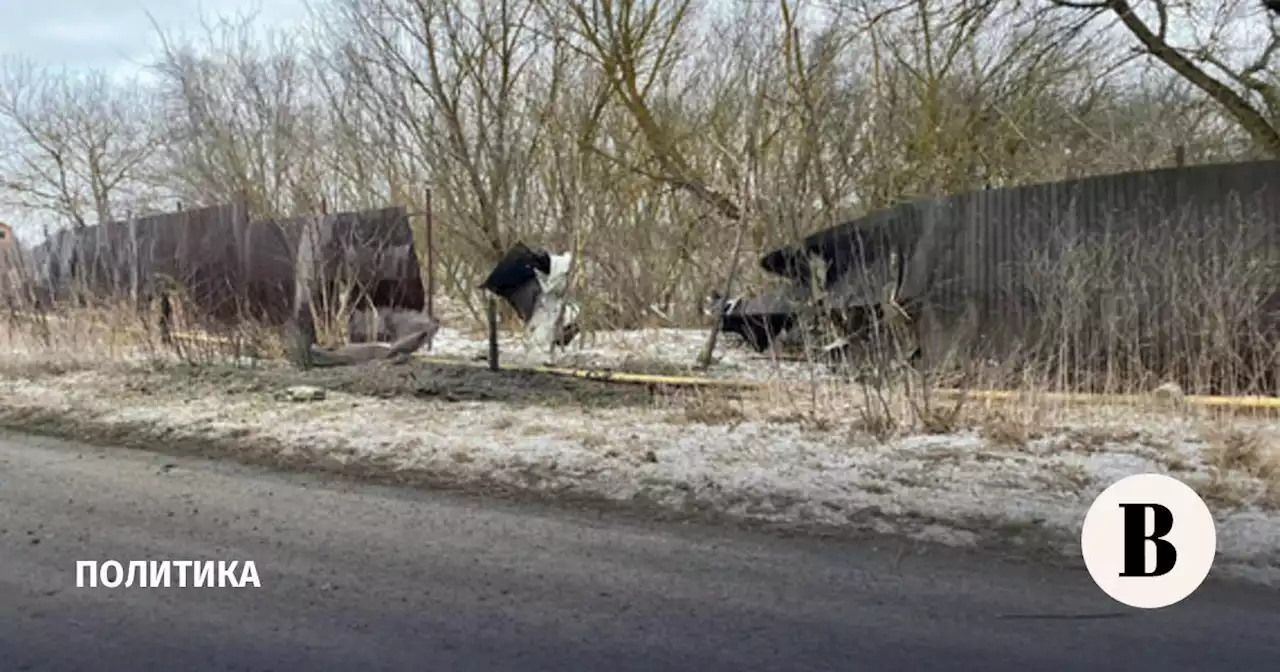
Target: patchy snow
column 957, row 488
column 638, row 350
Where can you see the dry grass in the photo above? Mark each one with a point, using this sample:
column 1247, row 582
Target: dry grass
column 710, row 409
column 1239, row 457
column 106, row 335
column 92, row 325
column 1244, row 451
column 1222, row 491
column 112, row 334
column 535, row 429
column 1271, row 496
column 878, row 425
column 1007, row 430
column 1181, row 302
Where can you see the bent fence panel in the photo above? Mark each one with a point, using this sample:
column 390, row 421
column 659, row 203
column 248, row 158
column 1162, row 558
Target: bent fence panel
column 351, row 261
column 1170, row 271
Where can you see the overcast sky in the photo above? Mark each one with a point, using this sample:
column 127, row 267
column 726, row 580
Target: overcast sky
column 115, row 34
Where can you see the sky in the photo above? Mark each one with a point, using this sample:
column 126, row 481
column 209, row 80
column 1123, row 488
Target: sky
column 117, row 35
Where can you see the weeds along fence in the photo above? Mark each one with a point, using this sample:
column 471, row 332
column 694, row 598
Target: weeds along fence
column 215, row 270
column 351, row 265
column 1105, row 284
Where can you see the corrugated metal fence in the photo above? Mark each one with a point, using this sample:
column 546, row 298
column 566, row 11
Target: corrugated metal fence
column 1161, row 274
column 226, row 268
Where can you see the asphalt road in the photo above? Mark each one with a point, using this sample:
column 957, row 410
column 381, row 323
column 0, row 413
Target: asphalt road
column 366, row 578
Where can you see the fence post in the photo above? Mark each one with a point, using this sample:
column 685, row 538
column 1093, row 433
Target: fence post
column 493, row 333
column 431, row 259
column 135, row 293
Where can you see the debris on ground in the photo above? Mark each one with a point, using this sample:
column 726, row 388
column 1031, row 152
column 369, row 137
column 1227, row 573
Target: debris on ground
column 360, row 353
column 304, row 393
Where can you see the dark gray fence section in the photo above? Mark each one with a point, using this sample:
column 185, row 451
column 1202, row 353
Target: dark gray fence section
column 1068, row 265
column 229, row 269
column 993, row 239
column 197, row 251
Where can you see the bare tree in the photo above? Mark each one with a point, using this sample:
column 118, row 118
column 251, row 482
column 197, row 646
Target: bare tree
column 454, row 74
column 76, row 144
column 1226, row 49
column 637, row 44
column 242, row 118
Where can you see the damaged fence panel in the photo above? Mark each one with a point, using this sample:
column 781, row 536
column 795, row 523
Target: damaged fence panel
column 1168, row 273
column 533, row 283
column 361, row 266
column 141, row 258
column 761, row 321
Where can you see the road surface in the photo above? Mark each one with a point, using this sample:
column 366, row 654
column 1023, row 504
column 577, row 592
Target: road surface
column 365, row 578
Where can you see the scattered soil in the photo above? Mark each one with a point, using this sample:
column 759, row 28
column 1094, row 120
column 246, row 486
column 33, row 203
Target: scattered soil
column 441, row 382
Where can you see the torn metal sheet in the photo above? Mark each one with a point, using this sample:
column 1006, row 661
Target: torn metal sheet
column 759, row 320
column 553, row 313
column 534, row 283
column 360, row 259
column 859, row 259
column 515, row 278
column 373, row 325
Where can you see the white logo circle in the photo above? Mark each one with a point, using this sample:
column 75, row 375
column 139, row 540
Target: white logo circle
column 1148, row 541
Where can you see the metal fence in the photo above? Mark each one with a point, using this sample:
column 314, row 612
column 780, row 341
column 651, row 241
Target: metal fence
column 1087, row 272
column 229, row 270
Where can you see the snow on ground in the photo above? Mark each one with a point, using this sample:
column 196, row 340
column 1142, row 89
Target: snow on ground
column 638, row 350
column 960, row 488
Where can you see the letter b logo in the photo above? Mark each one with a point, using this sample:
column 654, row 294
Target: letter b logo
column 1148, row 541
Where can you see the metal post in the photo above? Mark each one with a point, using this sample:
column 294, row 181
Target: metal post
column 493, row 333
column 431, row 262
column 135, row 293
